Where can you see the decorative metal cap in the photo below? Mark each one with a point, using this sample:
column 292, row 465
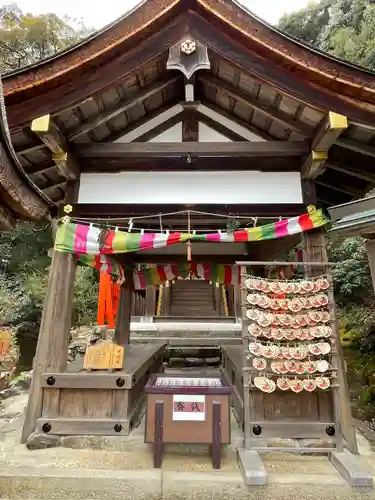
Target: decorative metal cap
column 188, row 47
column 188, row 56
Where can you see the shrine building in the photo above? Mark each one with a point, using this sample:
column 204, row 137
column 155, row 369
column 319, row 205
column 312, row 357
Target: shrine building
column 184, row 151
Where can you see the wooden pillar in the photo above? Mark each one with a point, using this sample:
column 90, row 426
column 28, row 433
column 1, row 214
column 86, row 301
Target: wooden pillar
column 237, row 301
column 314, row 250
column 53, row 342
column 218, row 299
column 166, row 299
column 150, row 301
column 123, row 319
column 231, row 311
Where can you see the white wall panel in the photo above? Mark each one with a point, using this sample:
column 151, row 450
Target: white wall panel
column 191, row 187
column 208, row 134
column 173, row 134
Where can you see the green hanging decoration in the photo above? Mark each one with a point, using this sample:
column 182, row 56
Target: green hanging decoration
column 232, row 224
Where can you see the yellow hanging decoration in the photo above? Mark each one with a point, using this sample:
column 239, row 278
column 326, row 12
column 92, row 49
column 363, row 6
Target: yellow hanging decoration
column 189, row 242
column 68, row 209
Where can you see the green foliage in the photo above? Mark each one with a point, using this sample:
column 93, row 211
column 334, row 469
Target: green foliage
column 351, row 276
column 345, row 28
column 26, row 38
column 24, row 283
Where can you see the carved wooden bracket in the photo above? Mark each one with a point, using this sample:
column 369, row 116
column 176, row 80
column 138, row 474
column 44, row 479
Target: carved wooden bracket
column 188, row 56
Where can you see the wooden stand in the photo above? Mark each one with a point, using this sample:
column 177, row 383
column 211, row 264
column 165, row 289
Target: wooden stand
column 163, row 427
column 306, row 415
column 101, row 403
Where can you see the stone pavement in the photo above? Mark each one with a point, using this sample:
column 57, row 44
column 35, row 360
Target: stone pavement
column 107, row 471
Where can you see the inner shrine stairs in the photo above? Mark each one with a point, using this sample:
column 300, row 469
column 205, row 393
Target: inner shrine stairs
column 192, row 299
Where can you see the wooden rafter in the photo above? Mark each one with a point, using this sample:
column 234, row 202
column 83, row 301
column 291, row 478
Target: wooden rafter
column 357, row 193
column 357, row 147
column 105, row 116
column 352, row 171
column 54, row 185
column 241, row 96
column 30, row 149
column 328, row 132
column 195, row 149
column 53, row 138
column 40, row 169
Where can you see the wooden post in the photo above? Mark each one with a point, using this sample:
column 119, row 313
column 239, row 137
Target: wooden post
column 314, row 250
column 165, row 306
column 231, row 310
column 237, row 301
column 123, row 319
column 218, row 299
column 216, row 435
column 150, row 301
column 158, row 434
column 53, row 342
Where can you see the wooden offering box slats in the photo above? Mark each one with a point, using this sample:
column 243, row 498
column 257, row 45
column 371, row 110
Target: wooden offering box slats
column 182, row 409
column 78, row 402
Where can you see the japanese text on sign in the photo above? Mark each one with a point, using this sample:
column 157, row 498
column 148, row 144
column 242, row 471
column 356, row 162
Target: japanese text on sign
column 189, row 407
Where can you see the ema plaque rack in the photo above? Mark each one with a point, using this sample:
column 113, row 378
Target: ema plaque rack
column 291, row 365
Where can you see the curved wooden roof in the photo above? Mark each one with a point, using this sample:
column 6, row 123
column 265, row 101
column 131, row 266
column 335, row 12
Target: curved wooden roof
column 273, row 85
column 156, row 24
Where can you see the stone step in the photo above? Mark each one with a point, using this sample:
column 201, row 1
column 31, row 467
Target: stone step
column 46, row 483
column 187, row 334
column 187, row 341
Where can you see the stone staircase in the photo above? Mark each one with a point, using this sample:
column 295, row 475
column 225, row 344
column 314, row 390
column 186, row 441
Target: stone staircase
column 192, row 298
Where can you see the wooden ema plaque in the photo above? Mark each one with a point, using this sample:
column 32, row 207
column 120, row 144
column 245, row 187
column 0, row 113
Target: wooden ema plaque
column 5, row 343
column 104, row 356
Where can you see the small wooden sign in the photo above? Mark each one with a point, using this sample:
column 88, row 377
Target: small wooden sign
column 104, row 356
column 189, row 407
column 5, row 343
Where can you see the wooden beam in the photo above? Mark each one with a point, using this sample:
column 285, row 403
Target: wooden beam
column 53, row 138
column 328, row 132
column 236, row 93
column 264, row 164
column 357, row 147
column 146, row 258
column 136, row 128
column 112, row 210
column 263, row 134
column 145, row 93
column 349, row 170
column 195, row 149
column 357, row 193
column 221, row 129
